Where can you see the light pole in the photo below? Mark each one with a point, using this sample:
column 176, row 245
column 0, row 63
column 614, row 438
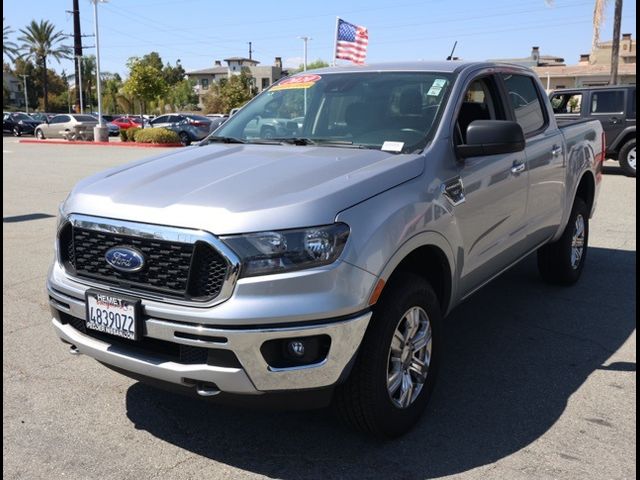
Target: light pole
column 305, row 40
column 101, row 132
column 79, row 59
column 26, row 95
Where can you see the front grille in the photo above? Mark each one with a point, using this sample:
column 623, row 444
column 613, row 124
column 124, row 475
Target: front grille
column 188, row 271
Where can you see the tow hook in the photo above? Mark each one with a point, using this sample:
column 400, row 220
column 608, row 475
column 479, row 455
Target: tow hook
column 73, row 350
column 206, row 390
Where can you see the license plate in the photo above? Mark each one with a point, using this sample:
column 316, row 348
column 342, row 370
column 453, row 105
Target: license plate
column 113, row 314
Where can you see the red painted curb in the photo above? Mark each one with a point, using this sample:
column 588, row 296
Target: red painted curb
column 106, row 144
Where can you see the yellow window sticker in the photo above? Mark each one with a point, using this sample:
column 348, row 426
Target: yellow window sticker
column 301, row 81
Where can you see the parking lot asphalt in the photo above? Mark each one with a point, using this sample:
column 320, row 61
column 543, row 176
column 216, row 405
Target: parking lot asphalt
column 537, row 382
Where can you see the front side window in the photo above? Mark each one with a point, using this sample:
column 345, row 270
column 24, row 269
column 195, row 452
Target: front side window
column 480, row 103
column 525, row 102
column 566, row 103
column 353, row 109
column 607, row 102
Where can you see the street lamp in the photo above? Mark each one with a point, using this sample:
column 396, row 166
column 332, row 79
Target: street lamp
column 101, row 132
column 79, row 58
column 305, row 40
column 26, row 95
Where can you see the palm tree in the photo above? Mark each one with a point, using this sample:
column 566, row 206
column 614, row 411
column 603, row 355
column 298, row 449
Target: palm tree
column 598, row 18
column 9, row 49
column 39, row 41
column 88, row 64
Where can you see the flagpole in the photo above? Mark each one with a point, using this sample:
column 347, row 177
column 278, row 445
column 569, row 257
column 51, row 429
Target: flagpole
column 335, row 42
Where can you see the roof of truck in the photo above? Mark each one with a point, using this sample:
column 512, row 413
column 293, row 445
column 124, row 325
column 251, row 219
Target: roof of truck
column 445, row 66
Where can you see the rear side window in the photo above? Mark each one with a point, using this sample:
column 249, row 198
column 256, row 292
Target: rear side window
column 607, row 102
column 524, row 99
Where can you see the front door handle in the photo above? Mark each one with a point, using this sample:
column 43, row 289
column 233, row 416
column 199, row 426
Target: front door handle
column 556, row 150
column 518, row 167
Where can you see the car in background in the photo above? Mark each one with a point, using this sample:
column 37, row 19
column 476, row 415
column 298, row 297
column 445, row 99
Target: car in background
column 114, row 130
column 18, row 123
column 614, row 106
column 42, row 117
column 124, row 123
column 216, row 120
column 73, row 126
column 189, row 127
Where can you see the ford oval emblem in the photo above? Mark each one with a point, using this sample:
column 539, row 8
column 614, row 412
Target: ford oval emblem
column 125, row 259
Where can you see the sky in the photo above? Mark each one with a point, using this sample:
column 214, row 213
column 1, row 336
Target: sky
column 198, row 32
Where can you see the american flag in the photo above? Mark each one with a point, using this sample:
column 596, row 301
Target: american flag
column 352, row 42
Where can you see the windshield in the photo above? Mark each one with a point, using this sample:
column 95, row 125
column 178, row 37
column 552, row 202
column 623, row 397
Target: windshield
column 395, row 111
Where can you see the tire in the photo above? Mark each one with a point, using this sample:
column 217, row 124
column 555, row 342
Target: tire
column 185, row 139
column 39, row 134
column 17, row 132
column 267, row 132
column 558, row 262
column 627, row 158
column 365, row 401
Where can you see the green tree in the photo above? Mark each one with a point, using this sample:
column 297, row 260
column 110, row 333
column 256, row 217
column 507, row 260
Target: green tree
column 181, row 96
column 319, row 63
column 112, row 84
column 152, row 59
column 40, row 41
column 230, row 93
column 34, row 82
column 88, row 66
column 173, row 74
column 9, row 48
column 145, row 81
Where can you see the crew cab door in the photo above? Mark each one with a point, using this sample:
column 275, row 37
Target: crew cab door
column 545, row 156
column 491, row 208
column 608, row 107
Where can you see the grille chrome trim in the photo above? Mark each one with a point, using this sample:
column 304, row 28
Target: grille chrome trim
column 158, row 232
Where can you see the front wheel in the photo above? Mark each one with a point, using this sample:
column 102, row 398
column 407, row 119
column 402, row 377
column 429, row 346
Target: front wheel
column 562, row 261
column 39, row 134
column 16, row 132
column 185, row 139
column 394, row 374
column 627, row 158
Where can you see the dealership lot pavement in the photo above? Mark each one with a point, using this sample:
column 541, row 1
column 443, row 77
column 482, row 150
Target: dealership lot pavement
column 537, row 382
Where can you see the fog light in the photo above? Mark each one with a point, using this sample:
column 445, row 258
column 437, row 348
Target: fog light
column 296, row 348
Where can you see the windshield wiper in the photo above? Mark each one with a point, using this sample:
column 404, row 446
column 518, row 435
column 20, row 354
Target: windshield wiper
column 295, row 140
column 220, row 139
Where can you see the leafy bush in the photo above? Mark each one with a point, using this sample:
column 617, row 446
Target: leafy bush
column 131, row 133
column 123, row 135
column 156, row 135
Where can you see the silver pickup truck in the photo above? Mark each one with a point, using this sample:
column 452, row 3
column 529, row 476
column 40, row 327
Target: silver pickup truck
column 318, row 267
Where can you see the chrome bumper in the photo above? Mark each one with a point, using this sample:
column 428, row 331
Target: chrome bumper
column 254, row 377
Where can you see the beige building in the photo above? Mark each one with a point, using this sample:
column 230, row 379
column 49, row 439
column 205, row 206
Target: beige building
column 593, row 69
column 263, row 76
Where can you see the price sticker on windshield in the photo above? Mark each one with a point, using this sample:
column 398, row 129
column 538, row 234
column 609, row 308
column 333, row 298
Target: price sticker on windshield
column 300, row 81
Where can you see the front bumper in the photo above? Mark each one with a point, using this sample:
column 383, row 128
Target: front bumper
column 252, row 376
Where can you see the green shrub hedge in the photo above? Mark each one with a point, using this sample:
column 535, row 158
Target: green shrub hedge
column 123, row 135
column 156, row 135
column 131, row 133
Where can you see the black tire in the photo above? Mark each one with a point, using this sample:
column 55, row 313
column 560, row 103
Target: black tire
column 267, row 132
column 555, row 259
column 185, row 139
column 17, row 132
column 39, row 135
column 363, row 401
column 626, row 157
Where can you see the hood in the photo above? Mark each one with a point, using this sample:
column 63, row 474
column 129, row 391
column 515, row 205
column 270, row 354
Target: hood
column 228, row 189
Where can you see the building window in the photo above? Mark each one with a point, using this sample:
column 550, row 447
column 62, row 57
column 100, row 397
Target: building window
column 205, row 83
column 265, row 83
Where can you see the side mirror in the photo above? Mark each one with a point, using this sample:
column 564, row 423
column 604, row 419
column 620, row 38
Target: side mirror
column 492, row 137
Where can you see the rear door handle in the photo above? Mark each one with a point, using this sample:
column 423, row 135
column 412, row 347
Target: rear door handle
column 518, row 167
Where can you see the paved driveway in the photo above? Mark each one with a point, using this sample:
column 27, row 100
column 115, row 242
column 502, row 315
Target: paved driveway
column 537, row 382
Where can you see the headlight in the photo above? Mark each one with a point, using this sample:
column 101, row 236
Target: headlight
column 287, row 250
column 62, row 216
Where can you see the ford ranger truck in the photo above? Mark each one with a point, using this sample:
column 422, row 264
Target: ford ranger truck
column 318, row 266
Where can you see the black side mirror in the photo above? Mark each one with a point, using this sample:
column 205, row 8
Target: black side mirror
column 492, row 137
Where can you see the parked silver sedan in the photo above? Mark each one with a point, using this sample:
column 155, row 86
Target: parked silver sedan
column 69, row 126
column 188, row 126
